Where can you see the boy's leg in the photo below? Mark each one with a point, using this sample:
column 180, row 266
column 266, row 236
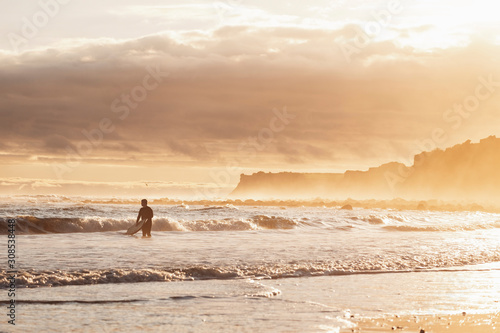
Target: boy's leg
column 147, row 228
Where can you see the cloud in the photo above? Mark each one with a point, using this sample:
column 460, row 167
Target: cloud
column 221, row 90
column 44, row 183
column 193, row 150
column 29, row 186
column 56, row 143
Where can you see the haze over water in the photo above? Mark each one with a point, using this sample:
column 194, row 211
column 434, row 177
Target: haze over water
column 387, row 107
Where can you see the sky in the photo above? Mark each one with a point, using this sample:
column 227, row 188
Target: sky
column 168, row 98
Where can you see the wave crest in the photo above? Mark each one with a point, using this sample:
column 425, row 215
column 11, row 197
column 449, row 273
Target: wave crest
column 441, row 227
column 404, row 264
column 36, row 225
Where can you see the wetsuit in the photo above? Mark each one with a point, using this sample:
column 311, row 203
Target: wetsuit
column 146, row 213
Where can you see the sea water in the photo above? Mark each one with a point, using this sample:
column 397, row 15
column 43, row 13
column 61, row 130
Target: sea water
column 242, row 268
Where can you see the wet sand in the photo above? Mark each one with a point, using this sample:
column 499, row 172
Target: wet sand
column 462, row 323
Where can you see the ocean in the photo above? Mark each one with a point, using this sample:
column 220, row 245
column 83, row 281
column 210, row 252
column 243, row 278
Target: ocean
column 228, row 268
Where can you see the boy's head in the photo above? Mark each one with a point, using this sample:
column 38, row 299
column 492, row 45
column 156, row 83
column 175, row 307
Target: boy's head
column 144, row 202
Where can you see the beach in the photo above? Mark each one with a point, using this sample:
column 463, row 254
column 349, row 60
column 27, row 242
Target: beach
column 231, row 268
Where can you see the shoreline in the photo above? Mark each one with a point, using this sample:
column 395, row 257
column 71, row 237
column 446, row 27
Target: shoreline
column 458, row 323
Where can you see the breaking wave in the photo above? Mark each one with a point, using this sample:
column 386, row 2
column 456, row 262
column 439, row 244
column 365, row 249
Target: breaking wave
column 229, row 218
column 393, row 222
column 404, row 264
column 445, row 227
column 36, row 225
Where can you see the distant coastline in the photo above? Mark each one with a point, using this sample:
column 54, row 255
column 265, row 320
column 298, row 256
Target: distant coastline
column 465, row 173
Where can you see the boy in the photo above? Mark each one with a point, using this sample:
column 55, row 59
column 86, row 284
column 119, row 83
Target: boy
column 145, row 213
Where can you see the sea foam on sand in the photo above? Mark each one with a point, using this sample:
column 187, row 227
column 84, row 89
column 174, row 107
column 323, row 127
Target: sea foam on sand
column 457, row 323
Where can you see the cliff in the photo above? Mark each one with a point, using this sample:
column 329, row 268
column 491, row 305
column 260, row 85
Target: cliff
column 285, row 184
column 467, row 171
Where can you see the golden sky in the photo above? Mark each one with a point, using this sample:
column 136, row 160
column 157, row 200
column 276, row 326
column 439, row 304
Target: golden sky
column 194, row 93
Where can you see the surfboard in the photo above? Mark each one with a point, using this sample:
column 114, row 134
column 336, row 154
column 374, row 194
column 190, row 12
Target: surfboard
column 134, row 228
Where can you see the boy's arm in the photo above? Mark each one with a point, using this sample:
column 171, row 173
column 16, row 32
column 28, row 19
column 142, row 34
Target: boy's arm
column 138, row 216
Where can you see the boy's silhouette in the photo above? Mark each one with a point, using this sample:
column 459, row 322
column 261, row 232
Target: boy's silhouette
column 145, row 213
